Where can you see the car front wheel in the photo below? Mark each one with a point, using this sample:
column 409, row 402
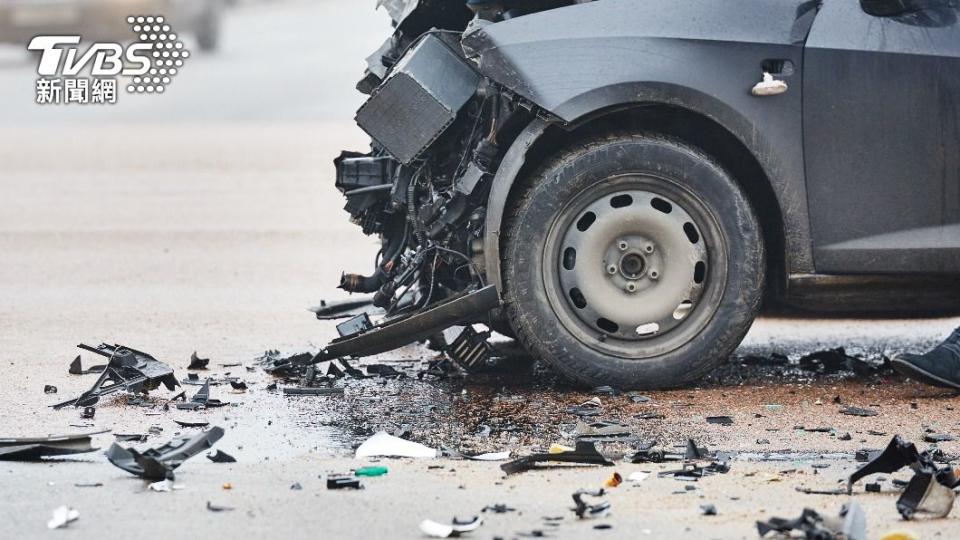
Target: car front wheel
column 632, row 260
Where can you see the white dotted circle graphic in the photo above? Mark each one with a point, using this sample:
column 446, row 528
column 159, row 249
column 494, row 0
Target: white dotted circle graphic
column 165, row 49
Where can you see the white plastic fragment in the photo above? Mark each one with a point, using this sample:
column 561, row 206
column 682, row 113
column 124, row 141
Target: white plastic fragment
column 164, row 486
column 769, row 86
column 440, row 530
column 637, row 476
column 63, row 516
column 491, row 456
column 382, row 444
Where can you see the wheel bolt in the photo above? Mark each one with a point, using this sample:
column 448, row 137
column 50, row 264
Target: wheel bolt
column 649, row 248
column 631, row 287
column 623, row 245
column 654, row 274
column 612, row 269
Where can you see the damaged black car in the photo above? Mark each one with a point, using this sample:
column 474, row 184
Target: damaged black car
column 620, row 185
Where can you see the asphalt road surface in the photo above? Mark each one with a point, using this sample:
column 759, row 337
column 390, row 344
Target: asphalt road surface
column 205, row 219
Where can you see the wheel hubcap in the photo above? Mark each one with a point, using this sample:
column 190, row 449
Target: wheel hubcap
column 632, row 266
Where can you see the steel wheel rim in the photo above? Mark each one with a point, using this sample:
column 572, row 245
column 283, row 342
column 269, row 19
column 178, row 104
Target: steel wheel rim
column 635, row 265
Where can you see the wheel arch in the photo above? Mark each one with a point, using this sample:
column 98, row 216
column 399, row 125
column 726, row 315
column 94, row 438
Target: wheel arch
column 542, row 138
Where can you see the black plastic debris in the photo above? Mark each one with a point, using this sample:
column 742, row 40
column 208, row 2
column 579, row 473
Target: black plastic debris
column 498, row 509
column 187, row 423
column 49, row 389
column 290, row 391
column 649, row 416
column 600, row 430
column 34, row 448
column 695, row 452
column 343, row 482
column 584, row 510
column 201, row 400
column 238, row 385
column 339, row 309
column 131, row 437
column 585, row 452
column 128, row 370
column 88, row 412
column 217, row 508
column 708, row 509
column 221, row 457
column 937, row 437
column 197, row 363
column 383, row 370
column 851, row 524
column 872, row 487
column 296, row 486
column 930, row 490
column 721, row 420
column 76, row 367
column 159, row 463
column 857, row 411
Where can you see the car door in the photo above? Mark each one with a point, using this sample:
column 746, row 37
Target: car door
column 881, row 111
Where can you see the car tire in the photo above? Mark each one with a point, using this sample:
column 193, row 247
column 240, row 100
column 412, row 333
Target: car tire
column 669, row 224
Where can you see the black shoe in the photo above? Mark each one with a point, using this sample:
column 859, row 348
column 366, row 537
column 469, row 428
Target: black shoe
column 939, row 367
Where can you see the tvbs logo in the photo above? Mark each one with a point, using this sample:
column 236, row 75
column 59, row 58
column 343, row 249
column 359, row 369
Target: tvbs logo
column 104, row 59
column 150, row 62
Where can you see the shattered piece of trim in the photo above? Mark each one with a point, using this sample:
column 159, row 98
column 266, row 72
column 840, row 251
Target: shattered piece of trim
column 34, row 448
column 221, row 457
column 382, row 444
column 159, row 463
column 456, row 528
column 63, row 516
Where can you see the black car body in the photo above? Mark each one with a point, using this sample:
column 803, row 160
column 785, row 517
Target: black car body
column 500, row 127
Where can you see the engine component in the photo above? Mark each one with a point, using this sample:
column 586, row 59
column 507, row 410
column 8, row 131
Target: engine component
column 419, row 99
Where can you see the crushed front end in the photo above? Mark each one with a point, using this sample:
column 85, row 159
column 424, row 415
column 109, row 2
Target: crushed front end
column 438, row 129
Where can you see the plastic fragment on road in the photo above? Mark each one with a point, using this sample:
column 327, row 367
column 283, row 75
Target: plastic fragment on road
column 930, row 491
column 165, row 486
column 159, row 463
column 720, row 420
column 851, row 524
column 217, row 508
column 76, row 367
column 857, row 411
column 197, row 363
column 585, row 452
column 708, row 509
column 638, row 476
column 455, row 528
column 63, row 516
column 343, row 482
column 221, row 457
column 382, row 444
column 370, row 471
column 49, row 389
column 201, row 400
column 489, row 456
column 128, row 370
column 34, row 448
column 589, row 511
column 88, row 412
